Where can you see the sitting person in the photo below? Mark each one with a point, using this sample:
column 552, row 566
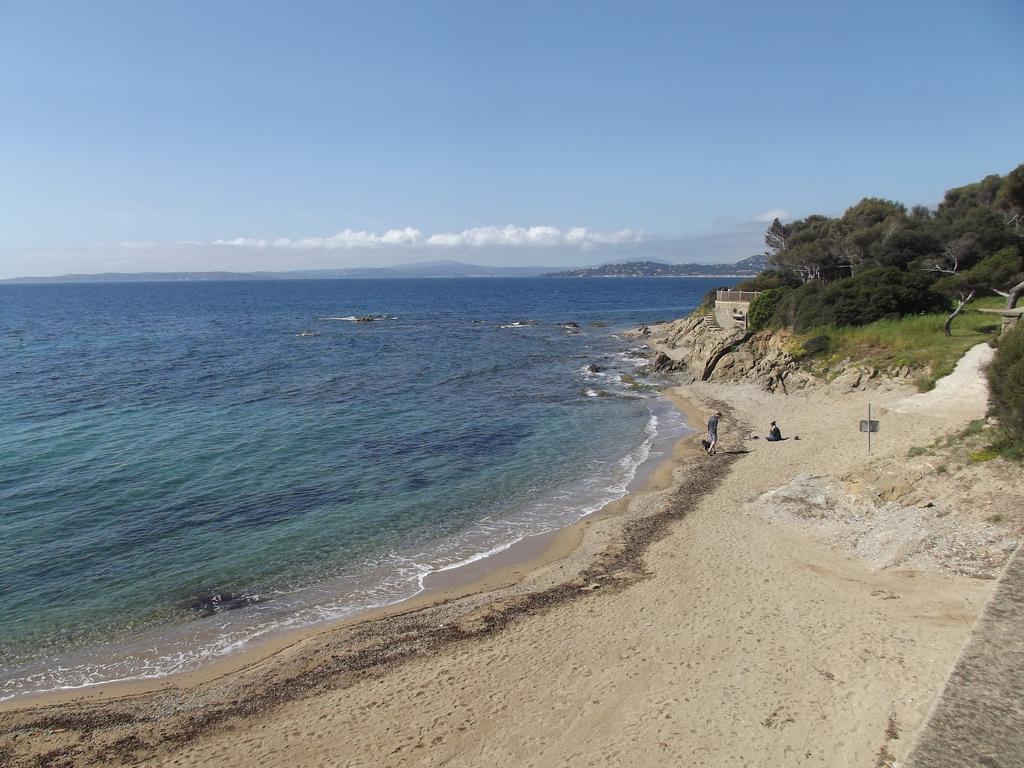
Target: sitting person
column 774, row 434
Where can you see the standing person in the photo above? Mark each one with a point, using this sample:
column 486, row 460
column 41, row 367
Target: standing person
column 713, row 432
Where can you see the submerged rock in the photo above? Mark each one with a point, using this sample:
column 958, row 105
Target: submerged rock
column 210, row 603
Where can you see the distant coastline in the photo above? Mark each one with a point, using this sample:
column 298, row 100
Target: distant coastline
column 745, row 268
column 428, row 269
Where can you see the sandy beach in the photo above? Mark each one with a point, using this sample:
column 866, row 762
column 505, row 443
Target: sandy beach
column 797, row 603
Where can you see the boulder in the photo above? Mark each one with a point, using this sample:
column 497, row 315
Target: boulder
column 848, row 380
column 662, row 363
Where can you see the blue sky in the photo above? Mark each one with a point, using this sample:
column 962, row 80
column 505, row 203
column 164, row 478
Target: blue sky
column 259, row 135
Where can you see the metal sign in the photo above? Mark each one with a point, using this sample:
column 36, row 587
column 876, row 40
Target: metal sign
column 869, row 425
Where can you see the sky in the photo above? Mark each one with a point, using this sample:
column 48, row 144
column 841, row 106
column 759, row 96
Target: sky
column 142, row 136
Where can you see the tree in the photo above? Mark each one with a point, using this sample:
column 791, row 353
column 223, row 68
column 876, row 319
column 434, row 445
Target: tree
column 1010, row 198
column 949, row 263
column 775, row 238
column 804, row 247
column 1003, row 269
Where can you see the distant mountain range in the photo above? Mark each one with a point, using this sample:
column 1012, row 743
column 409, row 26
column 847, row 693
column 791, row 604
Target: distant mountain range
column 420, row 269
column 436, row 269
column 746, row 268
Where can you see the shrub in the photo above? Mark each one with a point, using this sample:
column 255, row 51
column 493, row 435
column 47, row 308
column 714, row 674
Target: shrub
column 770, row 278
column 1006, row 378
column 817, row 345
column 874, row 294
column 762, row 308
column 708, row 302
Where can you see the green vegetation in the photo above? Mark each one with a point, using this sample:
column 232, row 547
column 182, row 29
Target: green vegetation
column 916, row 341
column 896, row 288
column 707, row 304
column 985, row 454
column 763, row 308
column 867, row 296
column 880, row 261
column 770, row 278
column 1006, row 378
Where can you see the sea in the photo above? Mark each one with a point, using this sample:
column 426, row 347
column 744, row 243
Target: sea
column 189, row 468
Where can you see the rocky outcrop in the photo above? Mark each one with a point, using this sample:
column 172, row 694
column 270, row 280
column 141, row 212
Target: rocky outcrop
column 900, row 526
column 699, row 348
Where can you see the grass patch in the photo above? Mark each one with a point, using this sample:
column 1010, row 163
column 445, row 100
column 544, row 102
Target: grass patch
column 916, row 341
column 917, row 450
column 975, row 427
column 985, row 454
column 1008, row 446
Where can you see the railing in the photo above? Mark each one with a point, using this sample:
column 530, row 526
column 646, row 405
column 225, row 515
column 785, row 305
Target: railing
column 736, row 295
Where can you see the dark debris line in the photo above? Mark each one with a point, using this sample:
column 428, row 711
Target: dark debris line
column 978, row 720
column 128, row 730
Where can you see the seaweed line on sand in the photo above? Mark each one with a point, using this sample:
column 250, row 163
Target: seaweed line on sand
column 129, row 729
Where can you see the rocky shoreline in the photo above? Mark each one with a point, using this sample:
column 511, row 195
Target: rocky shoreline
column 698, row 349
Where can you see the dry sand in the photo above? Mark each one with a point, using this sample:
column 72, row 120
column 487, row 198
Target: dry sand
column 688, row 629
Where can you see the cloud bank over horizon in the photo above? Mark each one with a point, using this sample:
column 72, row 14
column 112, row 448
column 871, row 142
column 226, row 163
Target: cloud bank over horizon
column 477, row 237
column 506, row 245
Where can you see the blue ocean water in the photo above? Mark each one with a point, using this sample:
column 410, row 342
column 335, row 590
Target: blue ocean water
column 185, row 467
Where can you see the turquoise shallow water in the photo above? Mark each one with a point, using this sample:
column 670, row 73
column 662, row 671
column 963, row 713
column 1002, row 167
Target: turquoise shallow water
column 187, row 467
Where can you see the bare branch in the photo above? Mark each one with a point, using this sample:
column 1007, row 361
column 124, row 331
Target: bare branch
column 947, row 327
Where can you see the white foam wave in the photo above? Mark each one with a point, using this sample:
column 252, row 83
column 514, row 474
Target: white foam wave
column 398, row 577
column 356, row 319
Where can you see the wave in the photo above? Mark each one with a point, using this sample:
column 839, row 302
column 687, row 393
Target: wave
column 360, row 318
column 379, row 582
column 518, row 324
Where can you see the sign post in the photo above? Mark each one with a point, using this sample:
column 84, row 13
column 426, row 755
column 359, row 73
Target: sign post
column 869, row 426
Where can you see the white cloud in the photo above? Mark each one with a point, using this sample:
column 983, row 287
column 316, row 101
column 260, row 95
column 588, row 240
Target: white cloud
column 477, row 237
column 500, row 236
column 346, row 239
column 507, row 246
column 771, row 214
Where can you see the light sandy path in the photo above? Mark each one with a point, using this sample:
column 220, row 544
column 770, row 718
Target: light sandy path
column 962, row 395
column 748, row 645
